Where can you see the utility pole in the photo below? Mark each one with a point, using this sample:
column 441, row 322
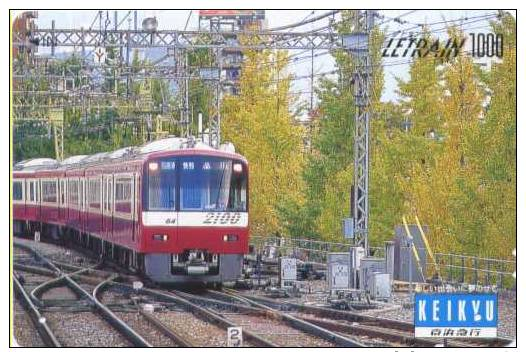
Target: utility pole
column 186, row 97
column 357, row 44
column 215, row 119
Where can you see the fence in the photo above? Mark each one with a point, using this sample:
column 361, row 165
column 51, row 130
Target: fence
column 476, row 270
column 453, row 268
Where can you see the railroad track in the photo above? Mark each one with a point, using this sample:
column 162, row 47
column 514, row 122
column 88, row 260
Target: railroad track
column 277, row 327
column 63, row 293
column 379, row 331
column 63, row 310
column 66, row 298
column 197, row 325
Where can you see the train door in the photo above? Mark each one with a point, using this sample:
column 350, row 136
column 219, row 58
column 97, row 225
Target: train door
column 107, row 209
column 82, row 204
column 38, row 192
column 136, row 209
column 62, row 200
column 73, row 203
column 94, row 196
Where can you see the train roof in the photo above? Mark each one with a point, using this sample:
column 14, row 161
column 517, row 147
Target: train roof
column 156, row 148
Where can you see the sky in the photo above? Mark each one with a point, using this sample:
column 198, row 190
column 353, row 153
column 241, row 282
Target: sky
column 393, row 67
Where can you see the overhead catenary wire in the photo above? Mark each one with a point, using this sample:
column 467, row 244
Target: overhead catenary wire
column 304, row 22
column 298, row 58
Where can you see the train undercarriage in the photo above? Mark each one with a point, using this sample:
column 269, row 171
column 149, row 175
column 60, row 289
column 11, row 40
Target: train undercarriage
column 190, row 266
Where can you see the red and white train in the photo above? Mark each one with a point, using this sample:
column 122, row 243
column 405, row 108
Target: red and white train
column 175, row 210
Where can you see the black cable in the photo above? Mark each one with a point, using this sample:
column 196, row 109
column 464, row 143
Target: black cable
column 304, row 22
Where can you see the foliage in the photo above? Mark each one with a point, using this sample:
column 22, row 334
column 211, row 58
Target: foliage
column 261, row 127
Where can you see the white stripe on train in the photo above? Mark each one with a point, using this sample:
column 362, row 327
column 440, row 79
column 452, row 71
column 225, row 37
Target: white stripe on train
column 201, row 219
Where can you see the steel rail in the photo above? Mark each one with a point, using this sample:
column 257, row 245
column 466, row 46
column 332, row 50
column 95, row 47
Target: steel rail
column 48, row 285
column 39, row 321
column 332, row 313
column 104, row 311
column 303, row 325
column 171, row 333
column 198, row 310
column 375, row 326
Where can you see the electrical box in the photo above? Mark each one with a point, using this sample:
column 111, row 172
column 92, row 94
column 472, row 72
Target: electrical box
column 357, row 253
column 368, row 267
column 380, row 286
column 348, row 227
column 338, row 269
column 289, row 272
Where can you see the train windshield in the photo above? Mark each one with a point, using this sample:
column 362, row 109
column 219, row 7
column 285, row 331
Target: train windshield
column 204, row 184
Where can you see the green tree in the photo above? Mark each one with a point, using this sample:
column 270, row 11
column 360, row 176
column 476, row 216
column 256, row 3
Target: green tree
column 259, row 124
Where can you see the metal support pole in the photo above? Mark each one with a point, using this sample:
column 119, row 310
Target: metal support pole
column 358, row 45
column 487, row 280
column 475, row 272
column 186, row 97
column 410, row 244
column 215, row 121
column 52, row 37
column 450, row 271
column 463, row 265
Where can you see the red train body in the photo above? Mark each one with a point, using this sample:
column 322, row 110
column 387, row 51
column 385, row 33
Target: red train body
column 174, row 212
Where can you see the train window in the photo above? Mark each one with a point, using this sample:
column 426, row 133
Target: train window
column 63, row 192
column 110, row 194
column 18, row 193
column 31, row 187
column 123, row 194
column 73, row 192
column 81, row 194
column 104, row 194
column 49, row 191
column 162, row 185
column 94, row 193
column 37, row 190
column 212, row 184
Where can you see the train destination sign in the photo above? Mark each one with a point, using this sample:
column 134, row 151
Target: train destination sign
column 451, row 315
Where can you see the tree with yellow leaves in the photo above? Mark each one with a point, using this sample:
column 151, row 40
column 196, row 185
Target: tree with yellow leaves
column 259, row 123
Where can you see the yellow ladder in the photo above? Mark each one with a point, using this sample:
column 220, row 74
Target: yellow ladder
column 415, row 252
column 428, row 247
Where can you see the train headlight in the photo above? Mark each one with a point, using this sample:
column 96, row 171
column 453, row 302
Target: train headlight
column 238, row 168
column 153, row 166
column 230, row 238
column 160, row 237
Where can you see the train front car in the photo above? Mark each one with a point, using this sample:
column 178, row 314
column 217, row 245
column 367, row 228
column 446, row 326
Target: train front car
column 195, row 216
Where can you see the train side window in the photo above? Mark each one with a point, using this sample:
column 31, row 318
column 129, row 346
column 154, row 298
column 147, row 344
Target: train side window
column 73, row 192
column 18, row 190
column 63, row 192
column 136, row 199
column 123, row 194
column 31, row 187
column 104, row 194
column 110, row 195
column 37, row 190
column 81, row 193
column 49, row 191
column 94, row 193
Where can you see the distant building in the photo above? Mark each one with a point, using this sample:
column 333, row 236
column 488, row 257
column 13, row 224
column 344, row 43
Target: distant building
column 23, row 25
